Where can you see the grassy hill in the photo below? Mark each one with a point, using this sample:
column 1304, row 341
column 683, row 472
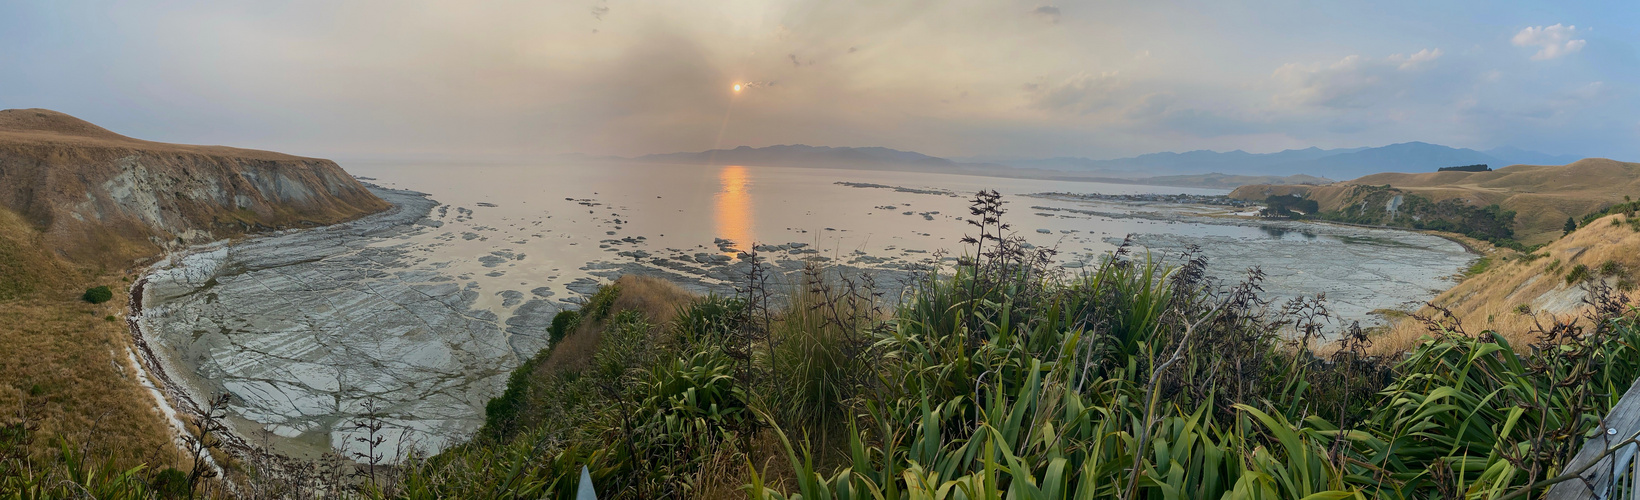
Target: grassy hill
column 101, row 198
column 1515, row 293
column 65, row 374
column 80, row 207
column 1542, row 196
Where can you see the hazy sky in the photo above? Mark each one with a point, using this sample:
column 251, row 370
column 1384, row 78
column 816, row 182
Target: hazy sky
column 399, row 78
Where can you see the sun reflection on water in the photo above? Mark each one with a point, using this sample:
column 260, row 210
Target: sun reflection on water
column 734, row 207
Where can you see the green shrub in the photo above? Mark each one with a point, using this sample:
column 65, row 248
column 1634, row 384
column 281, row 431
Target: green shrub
column 598, row 306
column 1612, row 268
column 98, row 294
column 562, row 324
column 709, row 320
column 171, row 483
column 1577, row 274
column 1479, row 266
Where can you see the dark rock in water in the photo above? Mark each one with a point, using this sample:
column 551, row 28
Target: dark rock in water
column 527, row 328
column 583, row 286
column 511, row 298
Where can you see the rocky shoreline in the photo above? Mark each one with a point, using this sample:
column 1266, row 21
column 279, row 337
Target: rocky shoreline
column 172, row 310
column 424, row 310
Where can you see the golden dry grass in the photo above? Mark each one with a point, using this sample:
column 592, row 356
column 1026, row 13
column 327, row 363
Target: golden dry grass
column 1542, row 196
column 57, row 172
column 64, row 364
column 656, row 298
column 1493, row 299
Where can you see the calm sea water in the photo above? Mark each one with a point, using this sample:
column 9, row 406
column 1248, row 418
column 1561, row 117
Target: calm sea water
column 556, row 215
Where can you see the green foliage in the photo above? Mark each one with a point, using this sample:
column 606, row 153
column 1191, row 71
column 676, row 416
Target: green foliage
column 68, row 473
column 1571, row 225
column 98, row 294
column 170, row 483
column 1628, row 208
column 1003, row 377
column 1371, row 205
column 710, row 320
column 1478, row 266
column 562, row 324
column 598, row 306
column 1290, row 205
column 1577, row 274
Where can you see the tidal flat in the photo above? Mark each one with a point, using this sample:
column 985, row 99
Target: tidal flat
column 425, row 309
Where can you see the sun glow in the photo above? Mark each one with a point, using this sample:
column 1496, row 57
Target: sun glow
column 737, row 87
column 733, row 212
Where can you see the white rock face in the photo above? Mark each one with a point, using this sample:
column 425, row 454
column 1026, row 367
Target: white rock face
column 304, row 327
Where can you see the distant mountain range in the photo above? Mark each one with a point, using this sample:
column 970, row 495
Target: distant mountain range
column 1200, row 168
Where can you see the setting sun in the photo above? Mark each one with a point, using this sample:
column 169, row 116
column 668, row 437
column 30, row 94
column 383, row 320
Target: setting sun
column 737, row 87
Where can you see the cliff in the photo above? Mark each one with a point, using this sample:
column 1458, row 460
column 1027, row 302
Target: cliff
column 100, row 198
column 1543, row 196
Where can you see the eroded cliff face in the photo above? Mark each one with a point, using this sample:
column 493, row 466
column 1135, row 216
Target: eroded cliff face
column 104, row 199
column 1542, row 196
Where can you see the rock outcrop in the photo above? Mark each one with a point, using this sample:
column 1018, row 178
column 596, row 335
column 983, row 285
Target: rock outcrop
column 100, row 198
column 1542, row 195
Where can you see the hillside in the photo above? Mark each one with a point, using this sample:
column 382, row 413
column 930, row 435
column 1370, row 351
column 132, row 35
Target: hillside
column 100, row 198
column 1543, row 196
column 78, row 206
column 1518, row 292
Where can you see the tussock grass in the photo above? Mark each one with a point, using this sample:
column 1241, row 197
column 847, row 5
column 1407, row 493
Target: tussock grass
column 1492, row 300
column 70, row 402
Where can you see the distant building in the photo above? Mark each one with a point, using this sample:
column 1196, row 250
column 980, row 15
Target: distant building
column 1467, row 168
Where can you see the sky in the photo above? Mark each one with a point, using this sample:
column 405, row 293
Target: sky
column 509, row 80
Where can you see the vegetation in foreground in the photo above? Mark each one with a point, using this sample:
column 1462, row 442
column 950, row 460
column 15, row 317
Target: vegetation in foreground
column 1002, row 376
column 999, row 376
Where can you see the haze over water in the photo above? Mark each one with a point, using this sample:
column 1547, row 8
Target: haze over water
column 542, row 211
column 426, row 309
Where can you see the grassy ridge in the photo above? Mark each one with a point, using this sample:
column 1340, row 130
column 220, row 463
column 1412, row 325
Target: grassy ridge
column 74, row 418
column 1005, row 376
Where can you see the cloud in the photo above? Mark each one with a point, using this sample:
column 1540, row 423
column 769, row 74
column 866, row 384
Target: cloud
column 1552, row 41
column 1081, row 94
column 1048, row 12
column 1416, row 59
column 1356, row 82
